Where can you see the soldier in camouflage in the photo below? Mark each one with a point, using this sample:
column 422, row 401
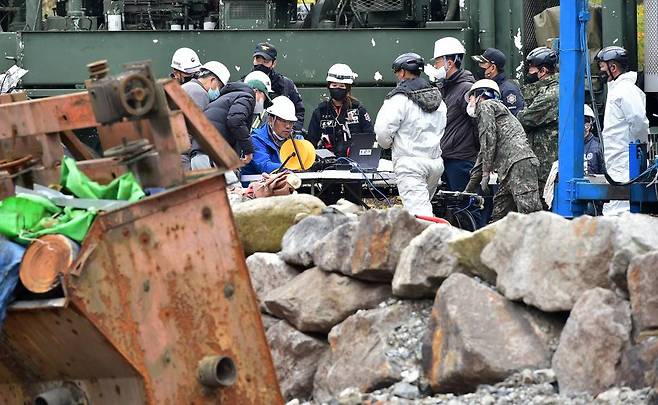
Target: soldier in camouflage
column 540, row 116
column 505, row 150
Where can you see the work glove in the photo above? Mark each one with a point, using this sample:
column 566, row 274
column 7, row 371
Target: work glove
column 484, row 183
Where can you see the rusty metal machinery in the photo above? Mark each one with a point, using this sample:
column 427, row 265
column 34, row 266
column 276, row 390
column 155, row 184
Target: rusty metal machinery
column 157, row 307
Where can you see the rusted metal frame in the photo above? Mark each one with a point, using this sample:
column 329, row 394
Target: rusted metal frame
column 6, row 185
column 75, row 146
column 115, row 134
column 200, row 128
column 47, row 115
column 102, row 170
column 52, row 151
column 12, row 97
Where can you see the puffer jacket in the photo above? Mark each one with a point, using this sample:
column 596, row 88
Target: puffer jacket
column 232, row 114
column 412, row 120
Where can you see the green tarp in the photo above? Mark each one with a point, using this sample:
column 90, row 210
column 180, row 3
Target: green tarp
column 26, row 217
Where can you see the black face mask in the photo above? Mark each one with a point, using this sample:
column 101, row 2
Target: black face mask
column 604, row 75
column 338, row 94
column 262, row 68
column 532, row 78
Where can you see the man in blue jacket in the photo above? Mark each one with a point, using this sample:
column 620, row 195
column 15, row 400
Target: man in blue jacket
column 267, row 139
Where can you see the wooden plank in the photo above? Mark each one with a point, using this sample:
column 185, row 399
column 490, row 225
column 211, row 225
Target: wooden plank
column 180, row 131
column 78, row 149
column 47, row 115
column 200, row 128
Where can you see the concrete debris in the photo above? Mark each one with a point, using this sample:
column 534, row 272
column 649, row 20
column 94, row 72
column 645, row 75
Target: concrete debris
column 548, row 261
column 299, row 241
column 262, row 222
column 425, row 263
column 592, row 342
column 316, row 301
column 295, row 356
column 466, row 346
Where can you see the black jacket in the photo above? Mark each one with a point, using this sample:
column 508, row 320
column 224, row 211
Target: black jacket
column 232, row 114
column 593, row 155
column 282, row 86
column 460, row 140
column 326, row 129
column 510, row 93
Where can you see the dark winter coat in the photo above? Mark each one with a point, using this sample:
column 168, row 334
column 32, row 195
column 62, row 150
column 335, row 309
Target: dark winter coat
column 232, row 114
column 510, row 93
column 327, row 124
column 593, row 155
column 460, row 140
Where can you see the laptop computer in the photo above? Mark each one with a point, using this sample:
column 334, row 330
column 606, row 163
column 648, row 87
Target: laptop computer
column 365, row 151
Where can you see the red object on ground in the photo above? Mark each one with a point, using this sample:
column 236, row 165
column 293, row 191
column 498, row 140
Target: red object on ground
column 433, row 219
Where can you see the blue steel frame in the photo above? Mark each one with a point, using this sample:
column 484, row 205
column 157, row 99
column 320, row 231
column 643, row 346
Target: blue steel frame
column 573, row 190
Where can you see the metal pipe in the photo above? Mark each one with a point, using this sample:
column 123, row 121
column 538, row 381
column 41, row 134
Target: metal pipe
column 487, row 19
column 573, row 20
column 217, row 371
column 57, row 396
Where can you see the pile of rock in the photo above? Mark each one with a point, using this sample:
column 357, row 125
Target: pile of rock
column 348, row 309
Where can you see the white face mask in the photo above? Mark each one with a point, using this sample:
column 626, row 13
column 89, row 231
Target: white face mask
column 260, row 107
column 440, row 73
column 470, row 109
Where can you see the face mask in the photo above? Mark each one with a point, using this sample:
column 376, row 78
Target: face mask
column 472, row 105
column 483, row 72
column 338, row 94
column 604, row 76
column 260, row 107
column 262, row 68
column 588, row 128
column 213, row 94
column 532, row 78
column 440, row 73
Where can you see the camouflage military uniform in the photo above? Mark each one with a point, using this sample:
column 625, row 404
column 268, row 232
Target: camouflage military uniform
column 540, row 121
column 505, row 150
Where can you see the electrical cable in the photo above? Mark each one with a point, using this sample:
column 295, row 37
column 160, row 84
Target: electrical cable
column 365, row 177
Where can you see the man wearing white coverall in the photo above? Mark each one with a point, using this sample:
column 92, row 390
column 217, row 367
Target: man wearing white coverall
column 625, row 119
column 411, row 122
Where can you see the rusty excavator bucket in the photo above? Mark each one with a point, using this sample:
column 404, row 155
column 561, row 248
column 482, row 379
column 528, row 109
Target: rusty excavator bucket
column 158, row 307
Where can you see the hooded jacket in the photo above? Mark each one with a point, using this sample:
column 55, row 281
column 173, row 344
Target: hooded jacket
column 232, row 114
column 412, row 120
column 625, row 121
column 460, row 140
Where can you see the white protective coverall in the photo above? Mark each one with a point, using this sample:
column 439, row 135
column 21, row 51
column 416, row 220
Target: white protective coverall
column 414, row 136
column 625, row 121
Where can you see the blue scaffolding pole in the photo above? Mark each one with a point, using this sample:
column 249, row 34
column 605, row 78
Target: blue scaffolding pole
column 573, row 20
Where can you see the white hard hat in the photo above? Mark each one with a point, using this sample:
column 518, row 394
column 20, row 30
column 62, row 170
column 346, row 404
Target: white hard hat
column 483, row 84
column 219, row 70
column 260, row 76
column 283, row 108
column 341, row 73
column 185, row 60
column 589, row 112
column 448, row 46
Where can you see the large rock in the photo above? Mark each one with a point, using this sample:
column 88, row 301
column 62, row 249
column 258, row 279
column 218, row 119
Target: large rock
column 548, row 261
column 372, row 349
column 467, row 248
column 639, row 365
column 643, row 291
column 262, row 222
column 476, row 336
column 591, row 345
column 299, row 241
column 334, row 251
column 378, row 241
column 635, row 235
column 268, row 272
column 295, row 356
column 315, row 300
column 425, row 263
